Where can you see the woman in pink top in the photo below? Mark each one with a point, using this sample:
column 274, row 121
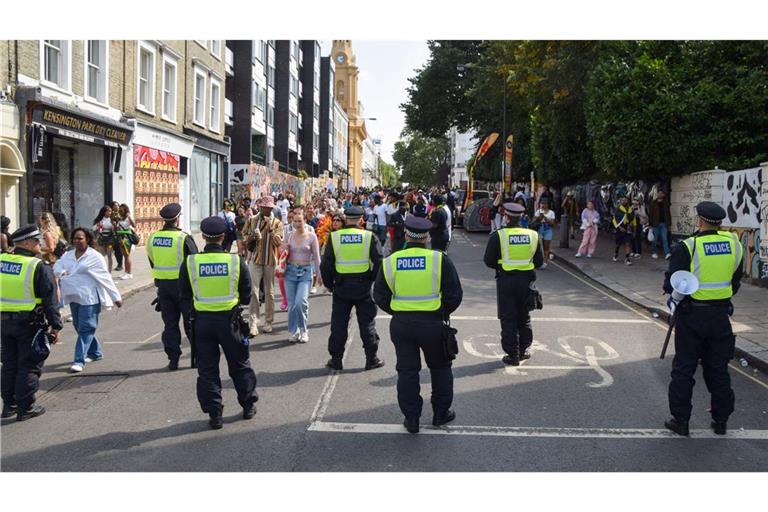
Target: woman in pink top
column 303, row 254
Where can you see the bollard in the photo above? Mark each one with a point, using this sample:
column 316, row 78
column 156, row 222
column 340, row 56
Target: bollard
column 564, row 224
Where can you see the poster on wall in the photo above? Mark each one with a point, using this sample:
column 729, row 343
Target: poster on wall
column 741, row 198
column 156, row 183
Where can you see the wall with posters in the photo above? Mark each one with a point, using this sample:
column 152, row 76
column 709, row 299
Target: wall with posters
column 156, row 183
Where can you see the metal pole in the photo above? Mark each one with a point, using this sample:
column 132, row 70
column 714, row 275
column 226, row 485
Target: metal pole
column 503, row 136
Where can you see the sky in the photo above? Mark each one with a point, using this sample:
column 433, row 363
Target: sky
column 385, row 67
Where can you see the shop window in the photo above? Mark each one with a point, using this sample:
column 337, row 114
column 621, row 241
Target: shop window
column 96, row 70
column 146, row 79
column 215, row 106
column 199, row 103
column 169, row 89
column 56, row 65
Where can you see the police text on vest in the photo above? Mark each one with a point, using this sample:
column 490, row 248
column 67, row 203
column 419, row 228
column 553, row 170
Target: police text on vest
column 6, row 267
column 213, row 269
column 162, row 241
column 716, row 248
column 412, row 263
column 519, row 239
column 352, row 239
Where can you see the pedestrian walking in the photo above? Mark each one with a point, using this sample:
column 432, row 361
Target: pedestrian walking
column 125, row 238
column 348, row 268
column 240, row 220
column 303, row 257
column 5, row 236
column 590, row 220
column 23, row 309
column 571, row 209
column 641, row 227
column 379, row 215
column 659, row 218
column 115, row 207
column 514, row 253
column 439, row 233
column 87, row 287
column 52, row 235
column 420, row 288
column 217, row 283
column 227, row 213
column 397, row 224
column 166, row 250
column 624, row 223
column 703, row 329
column 265, row 234
column 104, row 230
column 544, row 222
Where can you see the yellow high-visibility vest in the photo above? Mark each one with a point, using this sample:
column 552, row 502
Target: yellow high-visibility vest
column 352, row 249
column 17, row 286
column 714, row 259
column 214, row 277
column 414, row 276
column 518, row 246
column 165, row 249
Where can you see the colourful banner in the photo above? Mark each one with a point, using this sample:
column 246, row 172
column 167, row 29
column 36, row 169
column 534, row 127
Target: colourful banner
column 508, row 165
column 486, row 145
column 156, row 183
column 482, row 150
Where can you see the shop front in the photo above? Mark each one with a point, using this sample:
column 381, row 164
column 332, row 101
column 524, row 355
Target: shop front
column 72, row 157
column 12, row 169
column 207, row 170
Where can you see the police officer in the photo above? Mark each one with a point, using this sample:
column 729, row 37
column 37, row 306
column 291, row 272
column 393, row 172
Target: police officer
column 703, row 329
column 27, row 295
column 166, row 250
column 217, row 282
column 348, row 269
column 514, row 252
column 419, row 287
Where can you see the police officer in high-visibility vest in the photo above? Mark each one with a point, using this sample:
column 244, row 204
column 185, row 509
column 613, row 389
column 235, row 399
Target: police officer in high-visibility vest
column 166, row 250
column 218, row 282
column 702, row 328
column 419, row 287
column 27, row 292
column 348, row 268
column 514, row 253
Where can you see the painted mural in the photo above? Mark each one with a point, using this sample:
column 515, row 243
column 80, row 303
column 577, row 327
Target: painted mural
column 156, row 183
column 741, row 198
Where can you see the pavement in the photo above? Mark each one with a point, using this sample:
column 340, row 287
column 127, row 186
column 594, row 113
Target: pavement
column 593, row 397
column 641, row 284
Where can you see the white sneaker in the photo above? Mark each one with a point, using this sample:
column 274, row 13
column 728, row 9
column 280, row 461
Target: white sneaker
column 543, row 266
column 667, row 256
column 313, row 290
column 294, row 338
column 655, row 256
column 628, row 262
column 76, row 368
column 615, row 258
column 304, row 337
column 577, row 255
column 589, row 255
column 551, row 256
column 89, row 360
column 126, row 276
column 637, row 255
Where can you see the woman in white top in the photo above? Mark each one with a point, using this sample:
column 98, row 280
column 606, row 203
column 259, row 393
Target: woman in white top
column 546, row 220
column 86, row 286
column 104, row 229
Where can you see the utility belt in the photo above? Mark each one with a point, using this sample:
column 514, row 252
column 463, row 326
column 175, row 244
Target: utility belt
column 352, row 278
column 709, row 303
column 19, row 315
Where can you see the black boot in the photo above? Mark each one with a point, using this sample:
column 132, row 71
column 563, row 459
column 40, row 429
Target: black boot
column 194, row 362
column 442, row 419
column 679, row 427
column 411, row 424
column 249, row 412
column 525, row 354
column 720, row 427
column 511, row 360
column 334, row 363
column 373, row 362
column 9, row 410
column 173, row 364
column 31, row 412
column 216, row 421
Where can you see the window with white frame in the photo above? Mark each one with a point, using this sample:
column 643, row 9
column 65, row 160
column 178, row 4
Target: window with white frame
column 198, row 115
column 169, row 89
column 315, row 140
column 215, row 105
column 96, row 70
column 293, row 123
column 261, row 51
column 55, row 62
column 271, row 115
column 259, row 97
column 316, row 111
column 216, row 48
column 294, row 87
column 271, row 75
column 146, row 90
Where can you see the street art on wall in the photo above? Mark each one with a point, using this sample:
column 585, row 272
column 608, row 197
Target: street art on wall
column 741, row 198
column 755, row 270
column 156, row 183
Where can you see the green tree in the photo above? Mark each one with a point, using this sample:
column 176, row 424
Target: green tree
column 389, row 175
column 418, row 158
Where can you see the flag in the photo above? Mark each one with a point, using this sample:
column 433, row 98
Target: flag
column 508, row 165
column 486, row 145
column 482, row 150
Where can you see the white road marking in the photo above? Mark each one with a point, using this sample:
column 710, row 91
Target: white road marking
column 132, row 342
column 546, row 319
column 583, row 433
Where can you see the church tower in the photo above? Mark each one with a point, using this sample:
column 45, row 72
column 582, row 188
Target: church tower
column 345, row 90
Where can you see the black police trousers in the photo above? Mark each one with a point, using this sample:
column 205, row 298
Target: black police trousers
column 171, row 310
column 511, row 295
column 353, row 292
column 702, row 333
column 214, row 330
column 409, row 335
column 20, row 374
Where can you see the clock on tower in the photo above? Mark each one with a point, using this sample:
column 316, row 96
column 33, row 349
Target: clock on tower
column 341, row 58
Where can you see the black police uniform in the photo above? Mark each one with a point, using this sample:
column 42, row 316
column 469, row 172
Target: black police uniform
column 172, row 306
column 352, row 290
column 20, row 373
column 422, row 330
column 214, row 329
column 702, row 333
column 512, row 288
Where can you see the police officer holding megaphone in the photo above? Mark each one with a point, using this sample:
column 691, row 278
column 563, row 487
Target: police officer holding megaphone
column 700, row 304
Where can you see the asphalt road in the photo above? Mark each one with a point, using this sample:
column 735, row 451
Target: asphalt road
column 592, row 398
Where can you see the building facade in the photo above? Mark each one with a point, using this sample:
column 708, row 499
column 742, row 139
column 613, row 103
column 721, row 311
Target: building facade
column 309, row 108
column 341, row 147
column 327, row 116
column 346, row 94
column 287, row 84
column 462, row 148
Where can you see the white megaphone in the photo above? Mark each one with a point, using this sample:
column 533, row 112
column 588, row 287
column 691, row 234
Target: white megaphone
column 683, row 283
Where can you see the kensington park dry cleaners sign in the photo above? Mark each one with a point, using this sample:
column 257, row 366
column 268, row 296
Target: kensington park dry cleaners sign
column 50, row 116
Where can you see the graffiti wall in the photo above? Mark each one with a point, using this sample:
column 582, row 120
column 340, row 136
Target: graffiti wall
column 256, row 180
column 741, row 198
column 755, row 270
column 764, row 222
column 687, row 192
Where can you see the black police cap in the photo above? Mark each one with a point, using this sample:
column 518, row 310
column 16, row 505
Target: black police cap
column 25, row 233
column 170, row 211
column 213, row 227
column 354, row 211
column 513, row 209
column 710, row 212
column 417, row 224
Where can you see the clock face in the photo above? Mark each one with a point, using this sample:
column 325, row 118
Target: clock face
column 340, row 59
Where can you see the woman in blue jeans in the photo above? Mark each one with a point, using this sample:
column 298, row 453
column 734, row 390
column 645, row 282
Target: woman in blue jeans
column 303, row 256
column 86, row 286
